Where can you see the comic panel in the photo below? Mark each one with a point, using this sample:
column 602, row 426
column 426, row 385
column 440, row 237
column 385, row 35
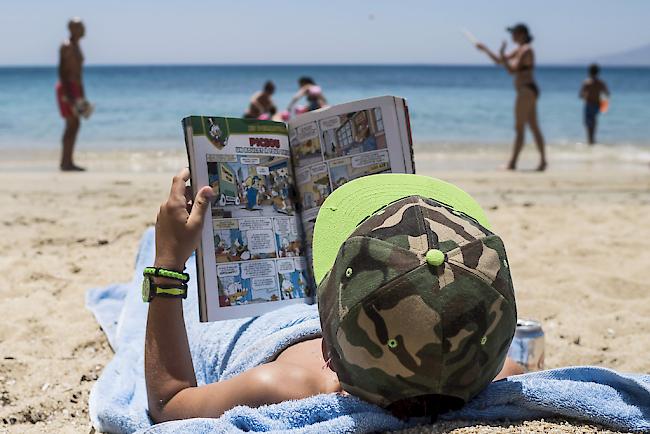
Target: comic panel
column 293, row 278
column 246, row 186
column 243, row 239
column 313, row 185
column 247, row 282
column 346, row 169
column 287, row 237
column 353, row 133
column 305, row 145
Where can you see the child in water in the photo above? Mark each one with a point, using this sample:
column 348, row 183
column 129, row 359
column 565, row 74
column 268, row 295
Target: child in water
column 312, row 92
column 261, row 103
column 592, row 89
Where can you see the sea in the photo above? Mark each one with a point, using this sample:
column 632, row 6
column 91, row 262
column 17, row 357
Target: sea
column 141, row 107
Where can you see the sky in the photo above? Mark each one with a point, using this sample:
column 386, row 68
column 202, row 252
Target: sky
column 315, row 32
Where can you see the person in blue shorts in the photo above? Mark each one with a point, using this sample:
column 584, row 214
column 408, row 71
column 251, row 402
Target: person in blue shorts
column 591, row 91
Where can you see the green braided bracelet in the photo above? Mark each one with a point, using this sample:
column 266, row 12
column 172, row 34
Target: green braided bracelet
column 163, row 272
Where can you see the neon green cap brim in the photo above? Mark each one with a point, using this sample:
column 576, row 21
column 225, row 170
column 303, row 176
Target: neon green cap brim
column 354, row 201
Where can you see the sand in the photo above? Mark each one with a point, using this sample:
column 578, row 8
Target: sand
column 576, row 237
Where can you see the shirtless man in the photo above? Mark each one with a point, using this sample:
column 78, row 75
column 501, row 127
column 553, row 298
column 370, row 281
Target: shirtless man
column 592, row 89
column 315, row 366
column 261, row 102
column 69, row 90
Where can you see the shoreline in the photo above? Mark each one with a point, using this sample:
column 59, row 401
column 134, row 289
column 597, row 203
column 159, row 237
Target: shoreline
column 429, row 156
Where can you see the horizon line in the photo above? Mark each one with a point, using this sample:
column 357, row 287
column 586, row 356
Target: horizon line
column 245, row 64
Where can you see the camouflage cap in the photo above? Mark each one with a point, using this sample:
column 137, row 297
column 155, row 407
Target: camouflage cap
column 419, row 301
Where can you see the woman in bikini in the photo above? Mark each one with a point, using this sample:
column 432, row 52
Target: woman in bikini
column 521, row 63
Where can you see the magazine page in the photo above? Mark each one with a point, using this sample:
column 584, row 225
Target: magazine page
column 252, row 255
column 332, row 146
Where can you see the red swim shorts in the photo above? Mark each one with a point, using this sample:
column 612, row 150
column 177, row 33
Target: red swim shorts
column 66, row 106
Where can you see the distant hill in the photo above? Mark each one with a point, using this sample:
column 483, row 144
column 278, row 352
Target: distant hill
column 639, row 56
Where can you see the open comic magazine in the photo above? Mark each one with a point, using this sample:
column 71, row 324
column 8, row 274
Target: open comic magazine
column 270, row 179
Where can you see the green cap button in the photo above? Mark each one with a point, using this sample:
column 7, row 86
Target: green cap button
column 435, row 257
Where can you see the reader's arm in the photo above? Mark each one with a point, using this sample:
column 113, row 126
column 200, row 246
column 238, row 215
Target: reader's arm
column 172, row 391
column 168, row 362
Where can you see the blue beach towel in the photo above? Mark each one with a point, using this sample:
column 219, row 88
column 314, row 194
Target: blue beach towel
column 118, row 401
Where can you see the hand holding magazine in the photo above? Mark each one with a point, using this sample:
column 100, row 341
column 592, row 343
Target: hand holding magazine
column 270, row 179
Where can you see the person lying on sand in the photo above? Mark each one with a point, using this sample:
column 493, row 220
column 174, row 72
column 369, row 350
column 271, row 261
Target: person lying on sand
column 416, row 305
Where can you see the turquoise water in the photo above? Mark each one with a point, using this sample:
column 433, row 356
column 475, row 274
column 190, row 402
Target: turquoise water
column 140, row 107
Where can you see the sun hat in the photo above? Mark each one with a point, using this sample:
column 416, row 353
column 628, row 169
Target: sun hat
column 519, row 27
column 415, row 295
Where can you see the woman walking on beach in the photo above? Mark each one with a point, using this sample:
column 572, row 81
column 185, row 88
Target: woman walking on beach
column 521, row 63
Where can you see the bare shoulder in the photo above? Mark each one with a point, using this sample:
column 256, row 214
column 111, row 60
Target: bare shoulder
column 282, row 381
column 528, row 51
column 66, row 47
column 265, row 384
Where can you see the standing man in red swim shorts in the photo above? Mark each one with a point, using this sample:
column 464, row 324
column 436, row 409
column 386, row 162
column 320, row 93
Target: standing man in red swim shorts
column 70, row 91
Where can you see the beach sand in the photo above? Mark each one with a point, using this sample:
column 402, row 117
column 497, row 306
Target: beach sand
column 576, row 238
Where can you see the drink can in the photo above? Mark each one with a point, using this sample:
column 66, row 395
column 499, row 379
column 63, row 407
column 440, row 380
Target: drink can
column 527, row 348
